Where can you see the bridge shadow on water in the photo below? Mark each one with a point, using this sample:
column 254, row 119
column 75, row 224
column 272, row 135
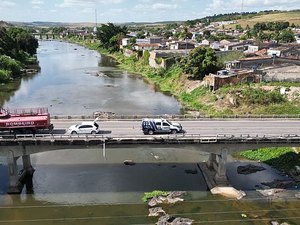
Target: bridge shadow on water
column 92, row 178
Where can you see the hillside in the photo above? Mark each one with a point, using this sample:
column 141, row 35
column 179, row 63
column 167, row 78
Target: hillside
column 291, row 17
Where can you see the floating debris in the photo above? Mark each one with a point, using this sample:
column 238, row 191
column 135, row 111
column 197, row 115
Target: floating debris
column 191, row 171
column 129, row 162
column 248, row 169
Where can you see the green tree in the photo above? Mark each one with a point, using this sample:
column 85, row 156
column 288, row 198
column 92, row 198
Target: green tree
column 9, row 64
column 8, row 45
column 199, row 62
column 185, row 34
column 286, row 36
column 110, row 35
column 140, row 35
column 24, row 39
column 206, row 34
column 238, row 27
column 167, row 34
column 4, row 76
column 199, row 38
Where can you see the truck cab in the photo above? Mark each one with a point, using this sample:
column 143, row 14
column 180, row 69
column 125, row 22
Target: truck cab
column 161, row 126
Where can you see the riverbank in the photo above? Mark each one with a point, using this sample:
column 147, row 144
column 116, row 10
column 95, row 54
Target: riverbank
column 284, row 159
column 243, row 99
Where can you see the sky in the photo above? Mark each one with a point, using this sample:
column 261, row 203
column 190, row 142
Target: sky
column 119, row 11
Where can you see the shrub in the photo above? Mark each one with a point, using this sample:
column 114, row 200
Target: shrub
column 4, row 76
column 156, row 193
column 7, row 63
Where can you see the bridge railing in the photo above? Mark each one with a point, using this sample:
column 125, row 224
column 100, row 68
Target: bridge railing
column 203, row 138
column 176, row 117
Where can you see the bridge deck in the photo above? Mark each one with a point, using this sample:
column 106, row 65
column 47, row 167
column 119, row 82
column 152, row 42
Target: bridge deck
column 40, row 139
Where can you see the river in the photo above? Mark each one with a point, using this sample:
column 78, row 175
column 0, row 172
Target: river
column 76, row 81
column 81, row 186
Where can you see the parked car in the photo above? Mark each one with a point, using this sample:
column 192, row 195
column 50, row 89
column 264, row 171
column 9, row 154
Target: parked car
column 90, row 127
column 152, row 126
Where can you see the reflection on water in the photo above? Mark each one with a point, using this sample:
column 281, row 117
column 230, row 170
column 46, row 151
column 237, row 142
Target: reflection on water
column 76, row 81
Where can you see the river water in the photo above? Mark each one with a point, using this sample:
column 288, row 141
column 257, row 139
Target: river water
column 84, row 186
column 76, row 81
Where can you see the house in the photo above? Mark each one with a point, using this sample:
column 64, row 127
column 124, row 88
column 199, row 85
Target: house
column 252, row 49
column 150, row 40
column 290, row 51
column 125, row 41
column 215, row 45
column 224, row 42
column 233, row 65
column 297, row 37
column 225, row 77
column 205, row 42
column 236, row 46
column 181, row 45
column 278, row 52
column 146, row 46
column 165, row 58
column 195, row 35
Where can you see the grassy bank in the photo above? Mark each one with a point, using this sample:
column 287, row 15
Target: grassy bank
column 240, row 99
column 284, row 159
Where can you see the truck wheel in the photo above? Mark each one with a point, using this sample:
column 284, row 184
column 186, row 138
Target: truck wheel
column 93, row 132
column 150, row 132
column 73, row 132
column 174, row 131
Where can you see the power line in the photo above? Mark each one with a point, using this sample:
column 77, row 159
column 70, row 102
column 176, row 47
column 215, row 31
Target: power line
column 180, row 214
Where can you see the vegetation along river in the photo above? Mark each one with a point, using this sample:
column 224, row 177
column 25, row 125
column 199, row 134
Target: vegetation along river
column 81, row 186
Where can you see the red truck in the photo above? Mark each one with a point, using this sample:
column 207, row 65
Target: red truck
column 25, row 120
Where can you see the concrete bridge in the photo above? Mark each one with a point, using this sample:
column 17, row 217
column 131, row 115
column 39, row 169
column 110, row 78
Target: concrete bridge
column 46, row 36
column 219, row 146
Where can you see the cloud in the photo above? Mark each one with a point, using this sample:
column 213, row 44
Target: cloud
column 154, row 6
column 219, row 6
column 37, row 2
column 75, row 3
column 7, row 4
column 86, row 3
column 161, row 6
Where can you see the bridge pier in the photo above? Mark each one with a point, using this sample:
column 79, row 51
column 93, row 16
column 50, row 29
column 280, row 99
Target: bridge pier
column 221, row 177
column 27, row 174
column 17, row 180
column 216, row 169
column 15, row 186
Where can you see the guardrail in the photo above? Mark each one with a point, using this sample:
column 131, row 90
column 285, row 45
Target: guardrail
column 204, row 138
column 178, row 117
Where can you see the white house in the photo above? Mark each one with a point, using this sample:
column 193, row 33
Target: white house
column 205, row 42
column 215, row 45
column 125, row 41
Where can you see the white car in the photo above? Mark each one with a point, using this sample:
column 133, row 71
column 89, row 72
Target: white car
column 84, row 128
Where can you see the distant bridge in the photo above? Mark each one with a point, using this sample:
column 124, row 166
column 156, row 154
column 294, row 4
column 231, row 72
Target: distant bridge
column 219, row 146
column 47, row 36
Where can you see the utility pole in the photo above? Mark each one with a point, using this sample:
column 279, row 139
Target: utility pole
column 95, row 28
column 96, row 18
column 242, row 7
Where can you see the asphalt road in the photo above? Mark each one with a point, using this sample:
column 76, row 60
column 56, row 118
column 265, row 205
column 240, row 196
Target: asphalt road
column 207, row 127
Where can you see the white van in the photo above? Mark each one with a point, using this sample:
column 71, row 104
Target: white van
column 152, row 126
